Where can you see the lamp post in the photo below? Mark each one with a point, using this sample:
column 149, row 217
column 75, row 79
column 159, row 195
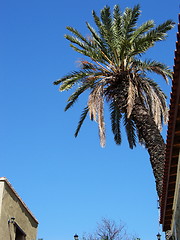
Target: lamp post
column 11, row 220
column 158, row 236
column 76, row 237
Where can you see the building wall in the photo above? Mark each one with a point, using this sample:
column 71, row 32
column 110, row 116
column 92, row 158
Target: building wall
column 11, row 206
column 1, row 194
column 176, row 206
column 176, row 230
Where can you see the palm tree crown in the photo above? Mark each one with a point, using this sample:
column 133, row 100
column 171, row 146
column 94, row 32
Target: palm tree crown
column 114, row 71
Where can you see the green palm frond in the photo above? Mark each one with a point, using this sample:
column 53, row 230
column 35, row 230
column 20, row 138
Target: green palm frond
column 96, row 37
column 117, row 17
column 115, row 122
column 100, row 27
column 142, row 29
column 77, row 41
column 82, row 118
column 155, row 35
column 87, row 46
column 107, row 24
column 78, row 34
column 100, row 43
column 94, row 55
column 77, row 76
column 85, row 49
column 68, row 84
column 117, row 33
column 97, row 22
column 154, row 66
column 140, row 46
column 71, row 75
column 113, row 71
column 117, row 21
column 160, row 69
column 106, row 41
column 73, row 98
column 161, row 30
column 130, row 18
column 106, row 17
column 94, row 70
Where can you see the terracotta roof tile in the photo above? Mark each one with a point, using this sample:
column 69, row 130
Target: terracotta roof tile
column 170, row 171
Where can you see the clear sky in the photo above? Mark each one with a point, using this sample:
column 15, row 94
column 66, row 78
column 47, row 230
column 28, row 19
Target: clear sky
column 69, row 184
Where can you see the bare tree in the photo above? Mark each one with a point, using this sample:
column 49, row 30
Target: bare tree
column 109, row 230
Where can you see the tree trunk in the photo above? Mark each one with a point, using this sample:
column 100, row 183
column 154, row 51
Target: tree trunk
column 153, row 142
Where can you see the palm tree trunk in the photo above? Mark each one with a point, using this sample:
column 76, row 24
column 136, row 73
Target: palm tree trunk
column 153, row 142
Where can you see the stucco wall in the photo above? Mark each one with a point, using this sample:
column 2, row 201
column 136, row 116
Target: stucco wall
column 177, row 219
column 12, row 207
column 1, row 194
column 176, row 206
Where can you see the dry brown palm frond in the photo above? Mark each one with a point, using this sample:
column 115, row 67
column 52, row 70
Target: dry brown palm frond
column 153, row 103
column 158, row 111
column 101, row 66
column 96, row 111
column 82, row 62
column 111, row 63
column 101, row 123
column 159, row 71
column 130, row 98
column 92, row 106
column 166, row 115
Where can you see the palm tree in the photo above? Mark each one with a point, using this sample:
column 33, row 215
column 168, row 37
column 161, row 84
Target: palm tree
column 114, row 72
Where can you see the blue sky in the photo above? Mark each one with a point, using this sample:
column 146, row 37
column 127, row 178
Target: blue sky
column 69, row 184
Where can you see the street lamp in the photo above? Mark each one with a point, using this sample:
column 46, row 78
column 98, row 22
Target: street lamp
column 11, row 220
column 76, row 237
column 158, row 236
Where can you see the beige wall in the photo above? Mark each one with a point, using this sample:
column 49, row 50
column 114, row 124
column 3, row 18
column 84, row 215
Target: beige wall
column 1, row 194
column 175, row 228
column 11, row 206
